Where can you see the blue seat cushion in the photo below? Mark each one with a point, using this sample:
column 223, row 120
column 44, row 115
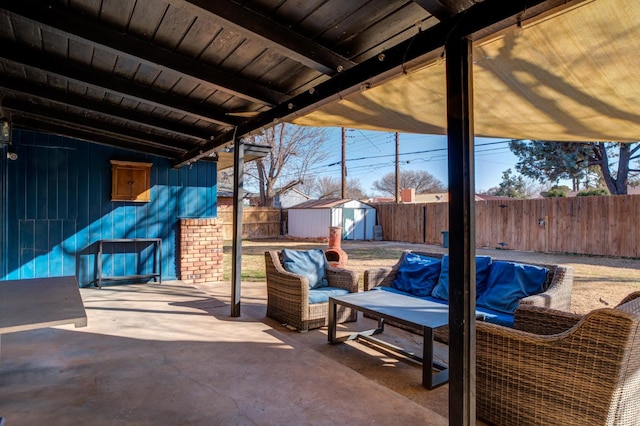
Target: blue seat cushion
column 483, row 267
column 322, row 294
column 417, row 275
column 496, row 317
column 308, row 263
column 509, row 282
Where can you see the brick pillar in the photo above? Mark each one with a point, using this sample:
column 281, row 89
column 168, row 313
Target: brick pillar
column 200, row 250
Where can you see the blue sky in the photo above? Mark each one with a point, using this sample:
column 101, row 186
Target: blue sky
column 371, row 155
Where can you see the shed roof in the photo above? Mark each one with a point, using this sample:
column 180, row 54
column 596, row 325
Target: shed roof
column 326, row 203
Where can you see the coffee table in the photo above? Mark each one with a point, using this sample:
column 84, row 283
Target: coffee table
column 410, row 311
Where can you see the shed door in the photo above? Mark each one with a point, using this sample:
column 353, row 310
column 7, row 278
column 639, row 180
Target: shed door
column 354, row 224
column 348, row 217
column 359, row 224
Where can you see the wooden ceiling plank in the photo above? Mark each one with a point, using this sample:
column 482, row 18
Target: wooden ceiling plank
column 88, row 123
column 196, row 40
column 330, row 14
column 117, row 13
column 174, row 27
column 76, row 100
column 110, row 82
column 381, row 35
column 6, row 26
column 90, row 136
column 273, row 34
column 75, row 26
column 104, row 108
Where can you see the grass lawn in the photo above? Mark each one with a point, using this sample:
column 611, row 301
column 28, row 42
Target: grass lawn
column 253, row 256
column 598, row 281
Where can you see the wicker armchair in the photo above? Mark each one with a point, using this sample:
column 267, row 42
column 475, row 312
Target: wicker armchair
column 561, row 368
column 288, row 295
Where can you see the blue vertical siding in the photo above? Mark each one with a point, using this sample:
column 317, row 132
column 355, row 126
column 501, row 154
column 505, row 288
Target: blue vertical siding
column 57, row 198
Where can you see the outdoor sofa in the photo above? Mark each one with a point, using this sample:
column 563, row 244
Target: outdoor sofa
column 300, row 299
column 501, row 286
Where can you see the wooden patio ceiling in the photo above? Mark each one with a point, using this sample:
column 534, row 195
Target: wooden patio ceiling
column 183, row 78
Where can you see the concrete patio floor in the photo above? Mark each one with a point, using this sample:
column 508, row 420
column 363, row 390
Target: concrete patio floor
column 171, row 354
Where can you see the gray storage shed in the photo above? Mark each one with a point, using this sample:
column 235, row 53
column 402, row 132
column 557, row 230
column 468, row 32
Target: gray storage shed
column 312, row 219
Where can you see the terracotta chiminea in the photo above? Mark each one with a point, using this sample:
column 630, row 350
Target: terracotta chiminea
column 334, row 254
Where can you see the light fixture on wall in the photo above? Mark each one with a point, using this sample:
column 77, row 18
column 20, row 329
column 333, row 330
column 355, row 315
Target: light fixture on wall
column 5, row 131
column 12, row 155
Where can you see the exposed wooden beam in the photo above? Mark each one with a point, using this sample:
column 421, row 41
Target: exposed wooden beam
column 66, row 24
column 94, row 107
column 43, row 125
column 475, row 19
column 273, row 34
column 444, row 9
column 111, row 83
column 98, row 126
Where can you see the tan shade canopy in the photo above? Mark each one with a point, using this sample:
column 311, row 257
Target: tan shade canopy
column 569, row 76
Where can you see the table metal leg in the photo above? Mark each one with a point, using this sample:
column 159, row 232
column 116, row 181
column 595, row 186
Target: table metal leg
column 159, row 261
column 99, row 267
column 332, row 320
column 430, row 379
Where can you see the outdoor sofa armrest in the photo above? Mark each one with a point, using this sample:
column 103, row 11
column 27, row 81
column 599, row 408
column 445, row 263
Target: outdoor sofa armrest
column 580, row 376
column 543, row 321
column 376, row 277
column 558, row 293
column 343, row 278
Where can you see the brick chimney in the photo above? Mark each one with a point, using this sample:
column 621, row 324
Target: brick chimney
column 408, row 195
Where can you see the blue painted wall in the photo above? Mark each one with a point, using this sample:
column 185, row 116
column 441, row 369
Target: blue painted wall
column 57, row 204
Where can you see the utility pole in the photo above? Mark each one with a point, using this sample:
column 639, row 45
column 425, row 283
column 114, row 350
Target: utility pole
column 397, row 168
column 344, row 163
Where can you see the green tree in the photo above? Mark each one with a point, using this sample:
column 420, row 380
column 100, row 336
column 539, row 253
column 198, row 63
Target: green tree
column 556, row 191
column 592, row 192
column 593, row 163
column 423, row 182
column 512, row 185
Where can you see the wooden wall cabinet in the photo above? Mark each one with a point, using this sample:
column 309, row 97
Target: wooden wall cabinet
column 131, row 181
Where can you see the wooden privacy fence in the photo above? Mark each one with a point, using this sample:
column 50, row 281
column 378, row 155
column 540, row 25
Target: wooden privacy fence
column 605, row 226
column 257, row 222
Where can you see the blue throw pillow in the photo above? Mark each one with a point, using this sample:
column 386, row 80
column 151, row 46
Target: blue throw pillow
column 483, row 266
column 509, row 282
column 309, row 263
column 417, row 274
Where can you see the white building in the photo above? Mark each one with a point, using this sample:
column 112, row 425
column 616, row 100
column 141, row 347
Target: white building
column 312, row 219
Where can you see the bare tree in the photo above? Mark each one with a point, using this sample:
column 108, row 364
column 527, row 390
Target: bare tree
column 293, row 150
column 423, row 182
column 330, row 187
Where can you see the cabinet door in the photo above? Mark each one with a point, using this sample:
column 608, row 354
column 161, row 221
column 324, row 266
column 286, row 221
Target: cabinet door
column 130, row 181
